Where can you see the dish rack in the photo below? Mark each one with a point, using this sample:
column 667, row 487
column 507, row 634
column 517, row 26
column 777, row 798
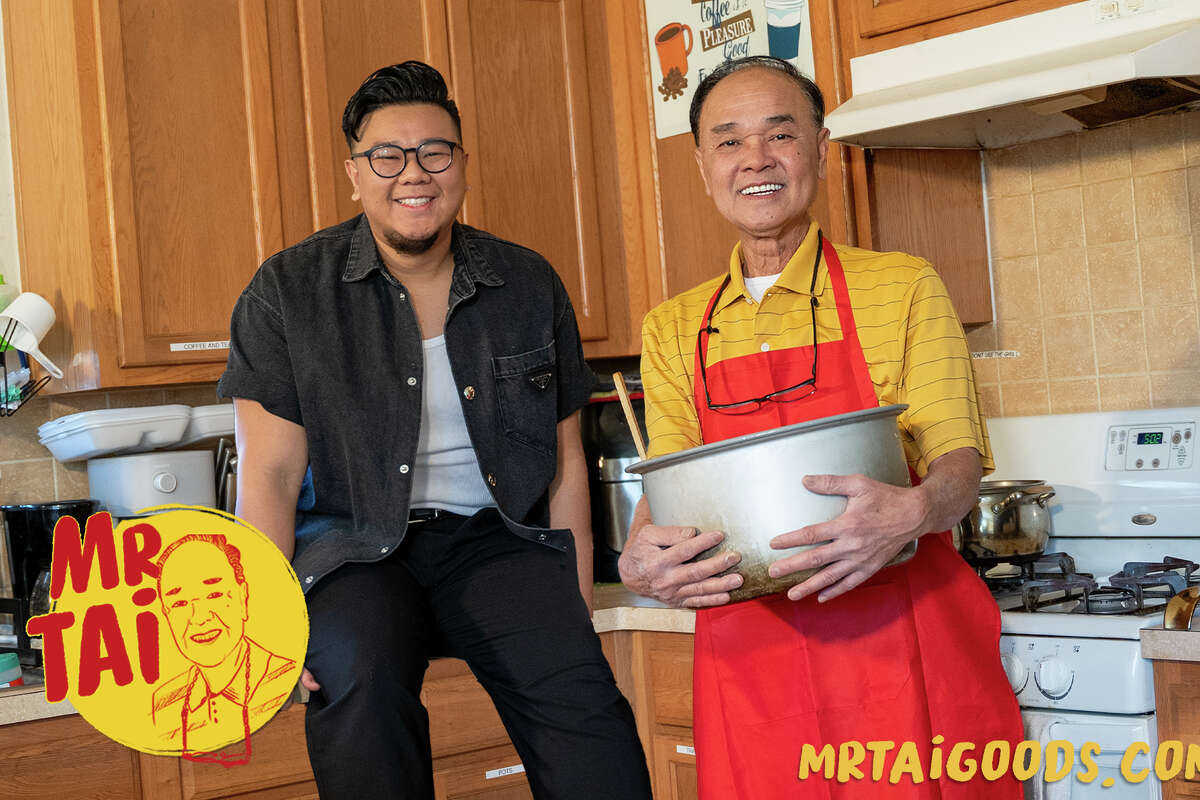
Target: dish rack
column 16, row 387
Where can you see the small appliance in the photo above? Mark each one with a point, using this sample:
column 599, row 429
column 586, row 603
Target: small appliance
column 127, row 484
column 26, row 548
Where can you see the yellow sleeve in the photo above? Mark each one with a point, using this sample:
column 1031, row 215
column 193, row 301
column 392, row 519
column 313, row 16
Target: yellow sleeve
column 671, row 420
column 937, row 380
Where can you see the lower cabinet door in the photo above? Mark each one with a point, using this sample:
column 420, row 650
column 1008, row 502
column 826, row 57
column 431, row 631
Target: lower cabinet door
column 674, row 767
column 496, row 775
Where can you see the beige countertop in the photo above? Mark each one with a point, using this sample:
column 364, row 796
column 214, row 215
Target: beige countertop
column 616, row 609
column 1171, row 645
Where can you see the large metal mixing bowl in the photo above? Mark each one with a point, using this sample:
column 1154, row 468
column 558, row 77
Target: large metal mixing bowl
column 750, row 486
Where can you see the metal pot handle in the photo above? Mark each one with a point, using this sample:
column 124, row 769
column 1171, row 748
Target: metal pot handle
column 1019, row 497
column 1008, row 502
column 1043, row 497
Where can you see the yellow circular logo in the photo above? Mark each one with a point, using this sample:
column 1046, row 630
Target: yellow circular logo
column 179, row 632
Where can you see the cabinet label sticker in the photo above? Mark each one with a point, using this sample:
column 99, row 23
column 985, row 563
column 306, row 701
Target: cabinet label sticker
column 515, row 769
column 183, row 347
column 177, row 632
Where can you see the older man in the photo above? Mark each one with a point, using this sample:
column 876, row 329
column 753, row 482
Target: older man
column 423, row 379
column 795, row 330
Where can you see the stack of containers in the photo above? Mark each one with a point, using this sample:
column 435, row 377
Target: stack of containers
column 127, row 468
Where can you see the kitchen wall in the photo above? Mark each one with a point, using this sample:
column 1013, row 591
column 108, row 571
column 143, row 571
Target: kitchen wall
column 1095, row 270
column 29, row 474
column 9, row 266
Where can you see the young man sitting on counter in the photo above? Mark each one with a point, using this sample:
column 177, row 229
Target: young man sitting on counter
column 444, row 508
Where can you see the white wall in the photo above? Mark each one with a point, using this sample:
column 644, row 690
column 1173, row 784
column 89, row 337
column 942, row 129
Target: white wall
column 9, row 264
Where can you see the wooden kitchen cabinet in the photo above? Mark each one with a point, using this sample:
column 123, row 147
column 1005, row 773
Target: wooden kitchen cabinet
column 147, row 178
column 654, row 671
column 1177, row 704
column 877, row 25
column 62, row 757
column 162, row 150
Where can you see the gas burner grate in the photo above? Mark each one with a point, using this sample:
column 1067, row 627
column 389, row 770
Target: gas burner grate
column 1159, row 581
column 1072, row 587
column 1051, row 573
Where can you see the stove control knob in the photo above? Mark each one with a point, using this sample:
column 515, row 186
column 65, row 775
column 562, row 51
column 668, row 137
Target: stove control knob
column 1054, row 678
column 1017, row 672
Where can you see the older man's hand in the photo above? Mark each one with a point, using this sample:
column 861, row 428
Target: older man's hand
column 653, row 563
column 878, row 522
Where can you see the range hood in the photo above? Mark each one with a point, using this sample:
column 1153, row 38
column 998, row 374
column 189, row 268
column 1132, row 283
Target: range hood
column 1027, row 78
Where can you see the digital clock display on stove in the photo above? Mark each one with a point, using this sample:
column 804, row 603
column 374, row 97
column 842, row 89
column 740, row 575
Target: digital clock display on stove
column 1150, row 438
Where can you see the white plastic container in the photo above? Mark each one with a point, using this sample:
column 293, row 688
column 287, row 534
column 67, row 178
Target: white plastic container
column 126, row 484
column 209, row 422
column 89, row 434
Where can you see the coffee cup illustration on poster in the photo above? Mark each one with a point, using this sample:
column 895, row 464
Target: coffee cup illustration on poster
column 690, row 38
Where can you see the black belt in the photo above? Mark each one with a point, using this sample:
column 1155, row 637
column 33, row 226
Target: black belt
column 428, row 514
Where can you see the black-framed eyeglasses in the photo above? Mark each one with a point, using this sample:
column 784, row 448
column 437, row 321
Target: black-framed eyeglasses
column 789, row 395
column 389, row 160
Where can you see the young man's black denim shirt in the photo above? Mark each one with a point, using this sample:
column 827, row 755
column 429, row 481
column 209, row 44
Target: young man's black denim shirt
column 325, row 337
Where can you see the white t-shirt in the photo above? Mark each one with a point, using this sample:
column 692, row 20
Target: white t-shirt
column 446, row 474
column 757, row 287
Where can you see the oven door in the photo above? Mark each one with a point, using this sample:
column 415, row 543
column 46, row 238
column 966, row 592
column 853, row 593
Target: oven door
column 1114, row 733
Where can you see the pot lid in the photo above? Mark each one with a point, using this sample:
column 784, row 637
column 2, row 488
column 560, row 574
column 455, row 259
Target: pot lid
column 1008, row 486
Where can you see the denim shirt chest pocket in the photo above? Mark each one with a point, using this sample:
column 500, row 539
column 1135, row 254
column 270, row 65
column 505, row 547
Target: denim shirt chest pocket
column 527, row 394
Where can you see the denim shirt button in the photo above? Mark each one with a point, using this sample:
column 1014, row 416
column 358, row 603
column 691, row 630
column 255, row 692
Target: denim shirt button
column 541, row 537
column 491, row 479
column 412, row 381
column 384, row 550
column 404, row 469
column 309, row 579
column 401, row 295
column 469, row 392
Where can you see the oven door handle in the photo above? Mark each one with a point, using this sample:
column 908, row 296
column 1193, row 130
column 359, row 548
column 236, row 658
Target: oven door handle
column 1043, row 790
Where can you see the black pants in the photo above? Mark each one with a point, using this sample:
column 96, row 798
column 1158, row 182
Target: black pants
column 511, row 609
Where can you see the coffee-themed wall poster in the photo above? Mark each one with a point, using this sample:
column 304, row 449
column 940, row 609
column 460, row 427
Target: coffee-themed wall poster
column 690, row 38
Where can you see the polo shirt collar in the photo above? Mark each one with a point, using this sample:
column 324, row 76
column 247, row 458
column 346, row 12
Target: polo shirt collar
column 469, row 267
column 796, row 275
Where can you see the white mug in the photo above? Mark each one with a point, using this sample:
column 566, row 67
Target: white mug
column 26, row 321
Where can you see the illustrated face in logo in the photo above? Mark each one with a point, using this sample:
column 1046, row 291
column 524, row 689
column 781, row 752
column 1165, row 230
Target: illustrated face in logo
column 203, row 601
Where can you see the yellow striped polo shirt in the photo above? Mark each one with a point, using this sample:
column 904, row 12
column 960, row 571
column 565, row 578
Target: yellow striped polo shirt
column 911, row 338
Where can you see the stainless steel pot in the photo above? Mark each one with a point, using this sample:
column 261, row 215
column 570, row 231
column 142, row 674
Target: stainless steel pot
column 1010, row 523
column 749, row 486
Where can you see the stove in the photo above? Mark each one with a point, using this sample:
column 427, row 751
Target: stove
column 1125, row 537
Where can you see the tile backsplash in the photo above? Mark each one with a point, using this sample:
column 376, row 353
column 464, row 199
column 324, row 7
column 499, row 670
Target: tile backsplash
column 1094, row 271
column 29, row 474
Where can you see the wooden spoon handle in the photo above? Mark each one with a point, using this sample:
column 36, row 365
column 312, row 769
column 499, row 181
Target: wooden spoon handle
column 623, row 393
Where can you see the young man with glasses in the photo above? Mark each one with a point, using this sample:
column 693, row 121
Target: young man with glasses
column 798, row 329
column 416, row 384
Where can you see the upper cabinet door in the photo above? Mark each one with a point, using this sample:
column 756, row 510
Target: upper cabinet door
column 186, row 148
column 520, row 74
column 341, row 43
column 881, row 16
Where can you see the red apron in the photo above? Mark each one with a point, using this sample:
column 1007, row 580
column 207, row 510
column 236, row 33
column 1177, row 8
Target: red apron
column 910, row 654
